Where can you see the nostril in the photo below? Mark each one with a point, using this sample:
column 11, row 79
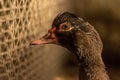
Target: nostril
column 46, row 36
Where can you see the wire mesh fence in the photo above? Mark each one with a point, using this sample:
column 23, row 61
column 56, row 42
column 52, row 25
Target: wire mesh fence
column 20, row 22
column 15, row 18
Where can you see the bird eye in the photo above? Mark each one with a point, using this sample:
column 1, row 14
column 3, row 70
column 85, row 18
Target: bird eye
column 65, row 27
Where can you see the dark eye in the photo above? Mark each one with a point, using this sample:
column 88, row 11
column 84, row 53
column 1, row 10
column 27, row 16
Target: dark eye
column 65, row 27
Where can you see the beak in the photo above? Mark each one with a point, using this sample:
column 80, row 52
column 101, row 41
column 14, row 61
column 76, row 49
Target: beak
column 46, row 39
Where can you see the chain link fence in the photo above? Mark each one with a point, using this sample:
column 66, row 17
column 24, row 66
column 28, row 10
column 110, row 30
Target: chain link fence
column 21, row 21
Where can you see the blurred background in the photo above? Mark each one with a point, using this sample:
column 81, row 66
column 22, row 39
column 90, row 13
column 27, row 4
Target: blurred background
column 22, row 21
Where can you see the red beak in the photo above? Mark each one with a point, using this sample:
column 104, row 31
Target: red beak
column 46, row 39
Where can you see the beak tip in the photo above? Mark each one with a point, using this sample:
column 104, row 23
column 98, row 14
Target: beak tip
column 31, row 44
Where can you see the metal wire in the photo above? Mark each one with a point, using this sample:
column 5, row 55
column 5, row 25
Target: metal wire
column 20, row 22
